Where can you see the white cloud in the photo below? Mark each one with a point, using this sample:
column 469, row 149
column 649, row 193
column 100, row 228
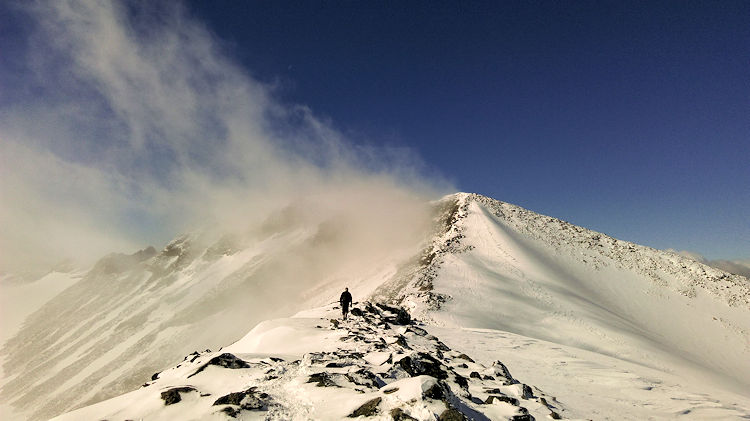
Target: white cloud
column 738, row 267
column 138, row 126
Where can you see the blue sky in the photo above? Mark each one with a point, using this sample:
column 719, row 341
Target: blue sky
column 123, row 124
column 632, row 118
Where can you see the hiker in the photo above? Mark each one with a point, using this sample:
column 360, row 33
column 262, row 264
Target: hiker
column 345, row 300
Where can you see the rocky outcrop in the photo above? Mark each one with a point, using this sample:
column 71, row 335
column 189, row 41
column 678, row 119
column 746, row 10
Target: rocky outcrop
column 374, row 365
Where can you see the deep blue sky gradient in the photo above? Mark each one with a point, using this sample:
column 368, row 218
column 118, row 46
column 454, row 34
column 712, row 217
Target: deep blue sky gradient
column 631, row 118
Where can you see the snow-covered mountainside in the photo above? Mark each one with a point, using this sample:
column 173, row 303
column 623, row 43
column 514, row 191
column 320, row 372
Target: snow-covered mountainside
column 613, row 330
column 131, row 315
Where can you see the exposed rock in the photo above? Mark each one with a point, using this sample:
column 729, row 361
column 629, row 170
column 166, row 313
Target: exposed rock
column 155, row 376
column 356, row 312
column 402, row 341
column 247, row 400
column 367, row 409
column 231, row 411
column 417, row 330
column 441, row 346
column 503, row 371
column 462, row 381
column 322, row 380
column 225, row 360
column 475, row 375
column 508, row 399
column 399, row 415
column 452, row 414
column 363, row 377
column 527, row 392
column 465, row 357
column 172, row 396
column 435, row 392
column 402, row 316
column 422, row 363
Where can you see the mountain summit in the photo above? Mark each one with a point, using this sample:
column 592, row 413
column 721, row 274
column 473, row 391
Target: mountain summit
column 609, row 328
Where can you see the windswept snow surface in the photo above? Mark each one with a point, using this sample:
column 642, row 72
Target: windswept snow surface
column 19, row 298
column 503, row 268
column 132, row 315
column 317, row 367
column 612, row 329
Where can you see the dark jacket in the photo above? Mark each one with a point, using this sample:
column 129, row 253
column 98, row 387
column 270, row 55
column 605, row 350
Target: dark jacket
column 345, row 299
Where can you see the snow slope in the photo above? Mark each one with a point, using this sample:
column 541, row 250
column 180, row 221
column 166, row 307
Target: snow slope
column 135, row 314
column 613, row 329
column 504, row 268
column 19, row 298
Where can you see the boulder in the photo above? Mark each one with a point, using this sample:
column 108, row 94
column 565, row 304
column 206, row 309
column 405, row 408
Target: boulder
column 367, row 409
column 423, row 364
column 172, row 396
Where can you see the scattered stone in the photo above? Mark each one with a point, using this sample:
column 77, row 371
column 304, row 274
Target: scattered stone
column 435, row 392
column 172, row 396
column 522, row 417
column 488, row 377
column 462, row 381
column 356, row 312
column 504, row 371
column 475, row 375
column 465, row 357
column 246, row 400
column 322, row 380
column 335, row 323
column 527, row 392
column 421, row 363
column 155, row 376
column 441, row 346
column 417, row 330
column 462, row 365
column 554, row 415
column 389, row 391
column 225, row 360
column 367, row 409
column 451, row 414
column 402, row 316
column 508, row 399
column 402, row 341
column 231, row 411
column 371, row 309
column 399, row 415
column 363, row 377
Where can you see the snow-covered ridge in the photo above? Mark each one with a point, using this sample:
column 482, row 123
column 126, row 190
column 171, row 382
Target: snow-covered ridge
column 499, row 266
column 379, row 363
column 599, row 250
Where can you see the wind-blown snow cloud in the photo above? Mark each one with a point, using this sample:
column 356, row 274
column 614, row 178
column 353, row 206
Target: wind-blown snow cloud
column 738, row 267
column 135, row 125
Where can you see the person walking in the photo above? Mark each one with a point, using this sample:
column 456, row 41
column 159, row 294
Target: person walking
column 345, row 301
